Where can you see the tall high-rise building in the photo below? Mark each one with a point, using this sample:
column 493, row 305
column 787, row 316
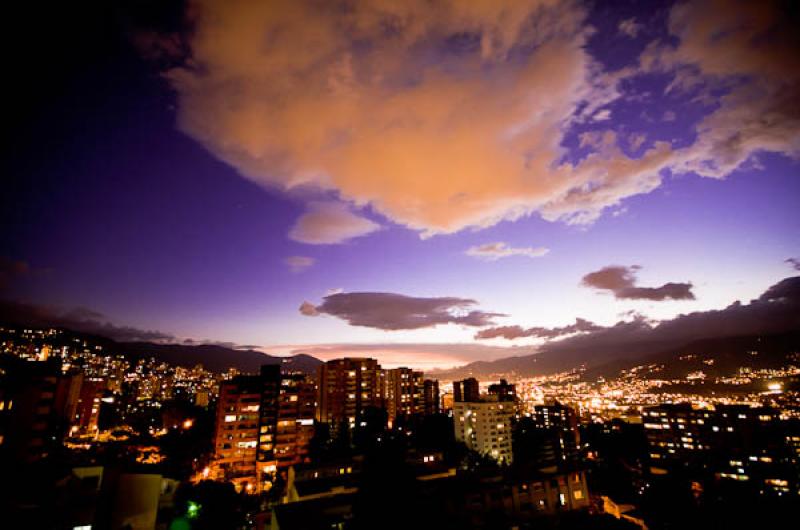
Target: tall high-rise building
column 466, row 390
column 264, row 422
column 485, row 427
column 558, row 437
column 404, row 392
column 237, row 431
column 347, row 387
column 270, row 377
column 296, row 408
column 431, row 396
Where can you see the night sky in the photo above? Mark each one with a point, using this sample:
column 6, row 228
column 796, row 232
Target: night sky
column 410, row 180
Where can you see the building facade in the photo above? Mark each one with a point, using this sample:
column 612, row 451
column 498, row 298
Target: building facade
column 347, row 387
column 485, row 427
column 296, row 408
column 431, row 397
column 404, row 393
column 237, row 437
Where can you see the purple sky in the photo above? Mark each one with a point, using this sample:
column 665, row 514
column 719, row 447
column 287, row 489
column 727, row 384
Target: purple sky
column 468, row 169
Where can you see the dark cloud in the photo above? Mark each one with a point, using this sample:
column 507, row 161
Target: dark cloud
column 794, row 262
column 221, row 343
column 390, row 311
column 516, row 332
column 621, row 281
column 11, row 270
column 77, row 319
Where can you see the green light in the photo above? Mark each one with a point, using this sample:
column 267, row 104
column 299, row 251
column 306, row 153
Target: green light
column 192, row 510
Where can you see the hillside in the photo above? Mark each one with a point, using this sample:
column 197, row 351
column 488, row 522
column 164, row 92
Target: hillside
column 726, row 354
column 216, row 358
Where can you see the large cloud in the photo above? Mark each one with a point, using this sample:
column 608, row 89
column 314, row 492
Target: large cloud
column 441, row 115
column 390, row 311
column 621, row 282
column 445, row 114
column 76, row 319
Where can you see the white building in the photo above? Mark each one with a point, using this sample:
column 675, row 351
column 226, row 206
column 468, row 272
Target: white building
column 485, row 427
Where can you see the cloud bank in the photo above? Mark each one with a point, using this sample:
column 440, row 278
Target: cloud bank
column 517, row 332
column 76, row 319
column 390, row 311
column 621, row 282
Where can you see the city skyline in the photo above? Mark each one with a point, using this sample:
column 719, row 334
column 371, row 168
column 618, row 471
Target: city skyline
column 430, row 187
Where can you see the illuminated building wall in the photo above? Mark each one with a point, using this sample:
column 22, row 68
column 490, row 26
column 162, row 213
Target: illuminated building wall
column 431, row 396
column 347, row 387
column 485, row 427
column 297, row 405
column 236, row 437
column 560, row 440
column 404, row 392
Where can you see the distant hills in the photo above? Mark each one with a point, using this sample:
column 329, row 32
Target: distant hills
column 214, row 357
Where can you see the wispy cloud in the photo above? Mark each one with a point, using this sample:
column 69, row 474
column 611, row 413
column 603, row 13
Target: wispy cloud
column 498, row 250
column 328, row 223
column 299, row 264
column 630, row 27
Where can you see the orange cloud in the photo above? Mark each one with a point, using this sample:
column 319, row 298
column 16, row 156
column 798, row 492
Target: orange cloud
column 385, row 106
column 450, row 114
